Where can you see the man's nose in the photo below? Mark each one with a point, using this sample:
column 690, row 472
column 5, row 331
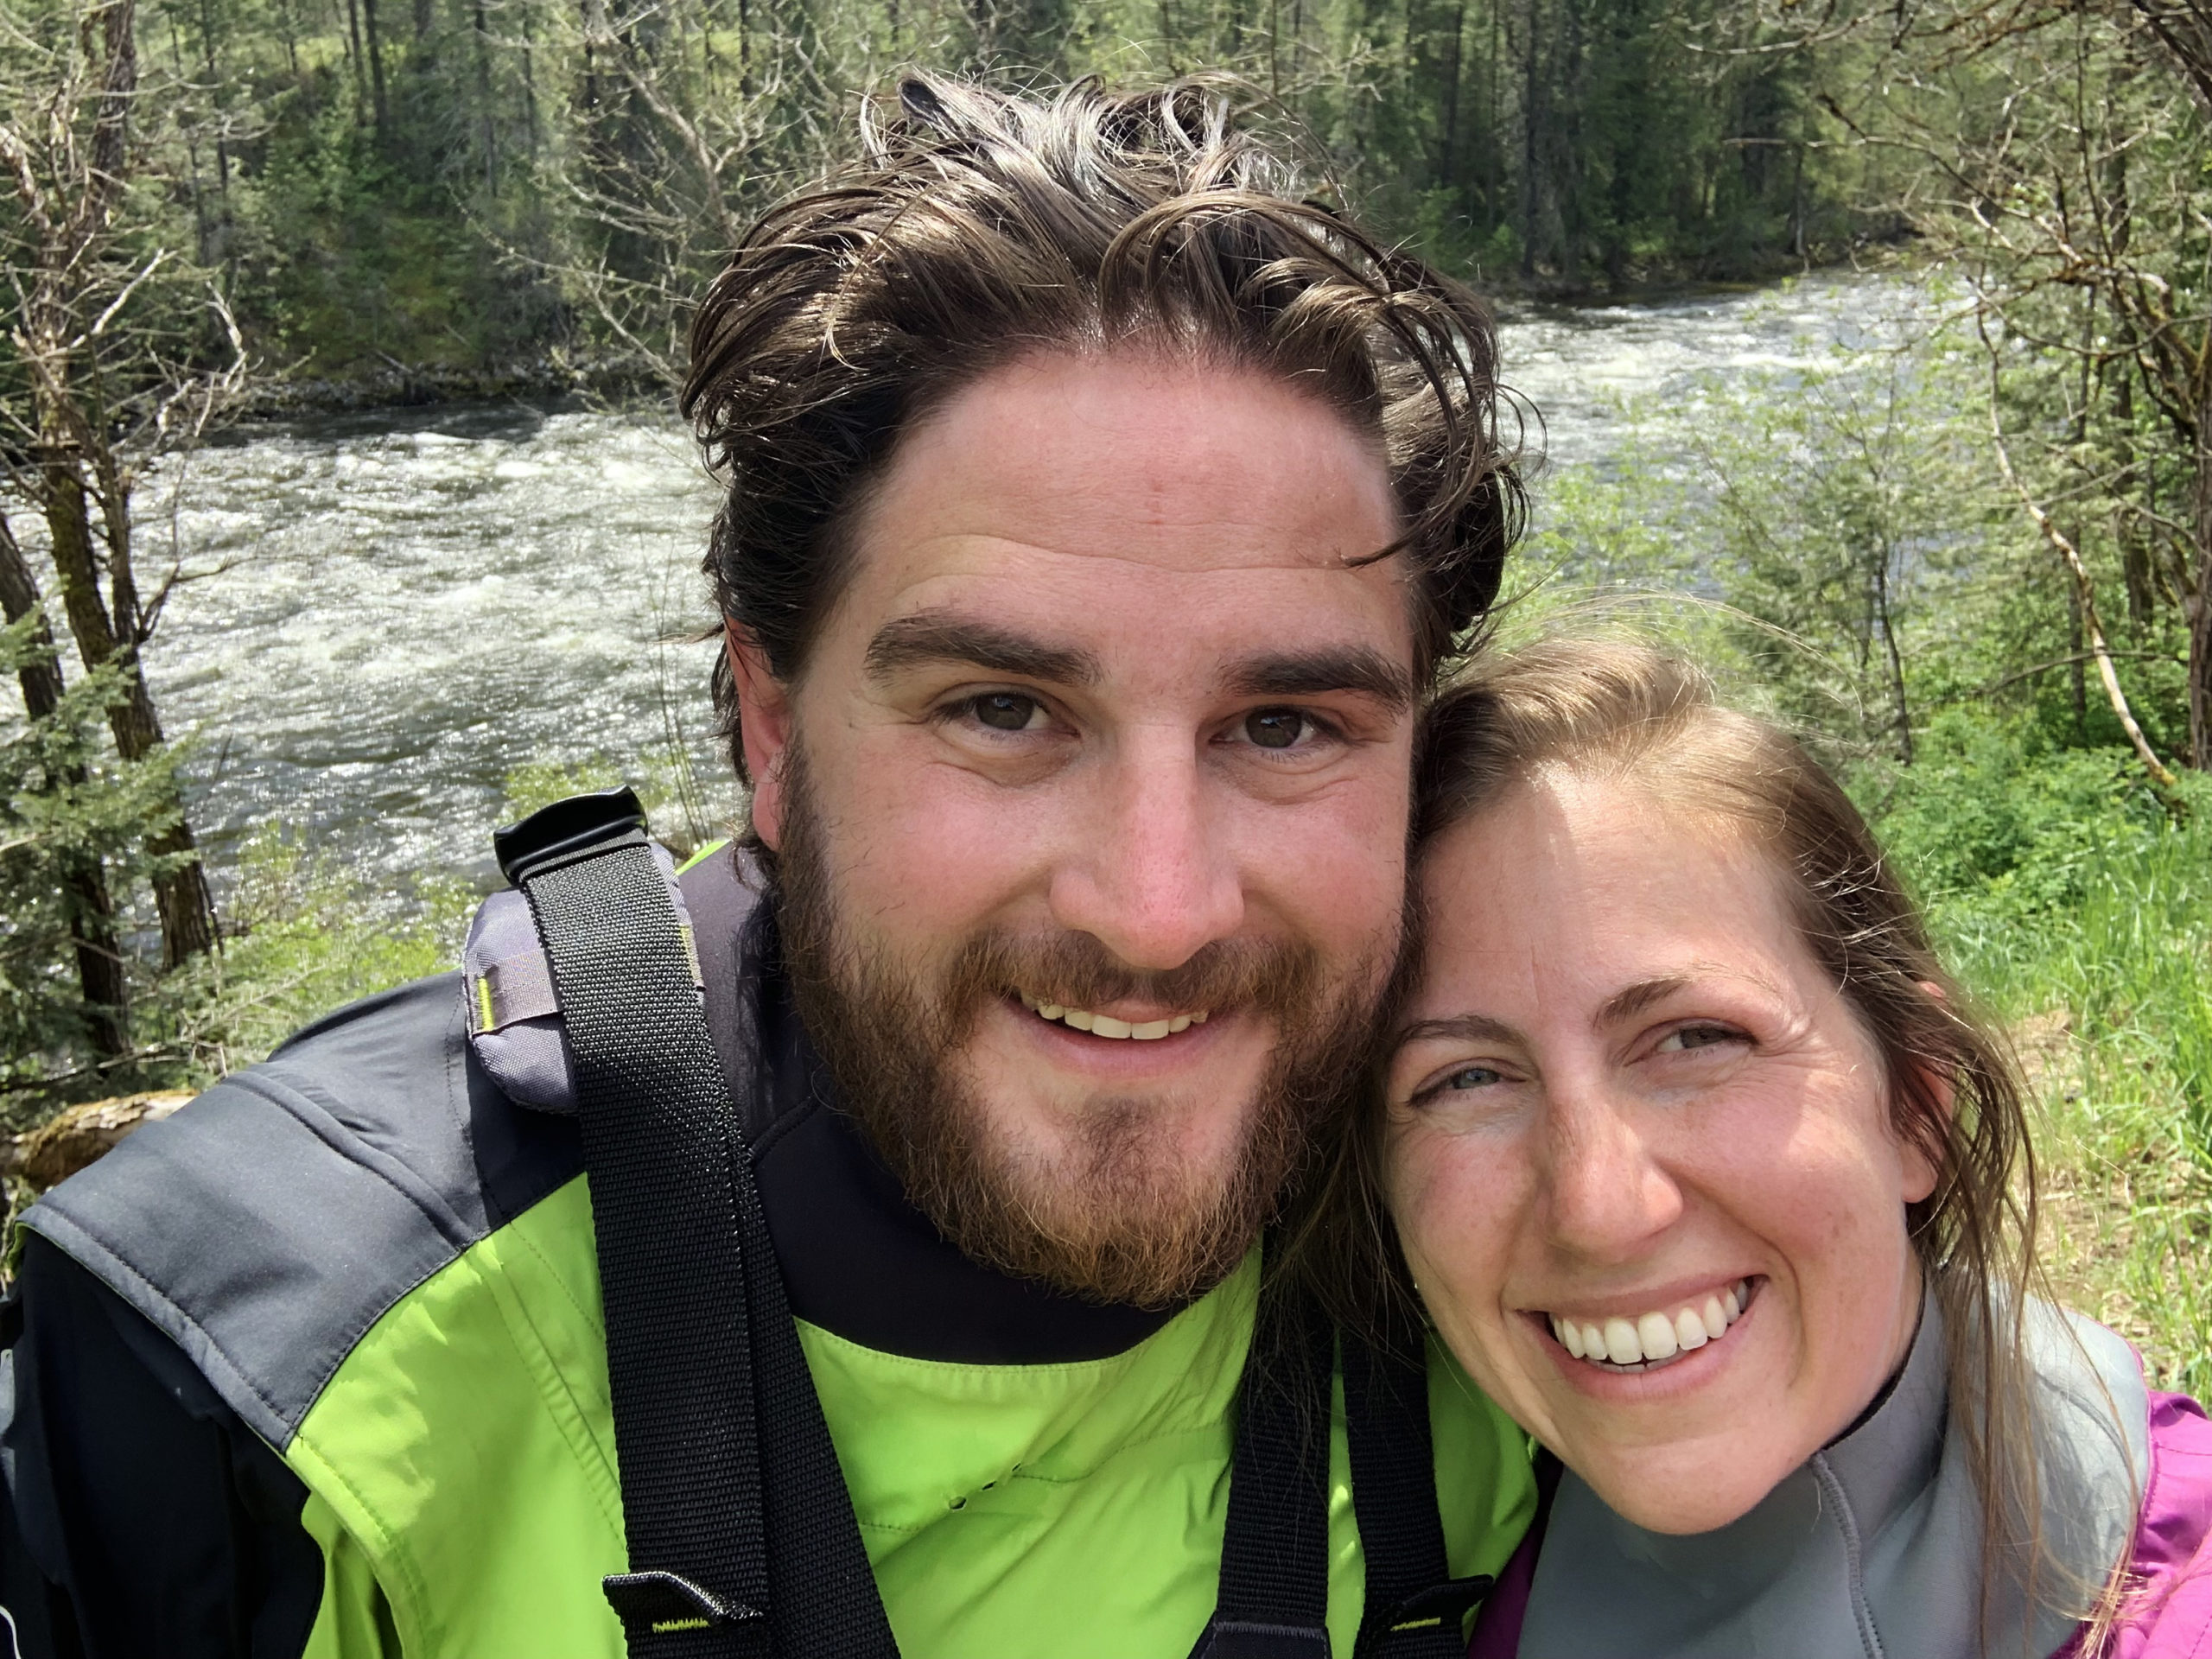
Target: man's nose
column 1610, row 1197
column 1152, row 876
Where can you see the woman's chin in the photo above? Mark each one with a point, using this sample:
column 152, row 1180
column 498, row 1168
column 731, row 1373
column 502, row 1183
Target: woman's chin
column 1685, row 1464
column 1644, row 1502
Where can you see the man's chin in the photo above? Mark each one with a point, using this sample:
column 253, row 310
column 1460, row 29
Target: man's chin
column 1146, row 1198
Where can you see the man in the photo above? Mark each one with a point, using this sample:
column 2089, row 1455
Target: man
column 1096, row 513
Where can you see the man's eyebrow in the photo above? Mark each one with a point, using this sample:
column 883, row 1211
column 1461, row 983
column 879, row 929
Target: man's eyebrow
column 1310, row 673
column 1464, row 1027
column 937, row 637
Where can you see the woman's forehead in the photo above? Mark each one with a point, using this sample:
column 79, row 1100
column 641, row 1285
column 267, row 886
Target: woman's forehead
column 1604, row 880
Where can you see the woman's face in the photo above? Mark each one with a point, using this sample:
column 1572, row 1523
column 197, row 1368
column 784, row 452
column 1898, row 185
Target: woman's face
column 1624, row 1093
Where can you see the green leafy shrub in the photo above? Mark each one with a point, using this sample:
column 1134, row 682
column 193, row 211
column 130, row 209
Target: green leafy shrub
column 68, row 804
column 304, row 937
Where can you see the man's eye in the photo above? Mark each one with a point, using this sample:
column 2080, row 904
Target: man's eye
column 1697, row 1036
column 1276, row 728
column 1006, row 711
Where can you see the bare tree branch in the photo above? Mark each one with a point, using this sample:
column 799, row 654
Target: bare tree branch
column 2084, row 590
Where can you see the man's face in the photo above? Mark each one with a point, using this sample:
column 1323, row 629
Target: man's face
column 1102, row 731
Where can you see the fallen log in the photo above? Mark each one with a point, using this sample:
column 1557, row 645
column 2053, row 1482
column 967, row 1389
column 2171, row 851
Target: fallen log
column 80, row 1135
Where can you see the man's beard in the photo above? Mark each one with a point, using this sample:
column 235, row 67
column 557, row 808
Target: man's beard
column 1116, row 1215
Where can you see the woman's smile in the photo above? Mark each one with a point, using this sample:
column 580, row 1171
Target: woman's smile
column 1628, row 1343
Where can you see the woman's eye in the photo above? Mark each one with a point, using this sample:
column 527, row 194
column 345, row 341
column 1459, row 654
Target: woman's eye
column 1449, row 1090
column 1276, row 728
column 1689, row 1037
column 1466, row 1079
column 1006, row 711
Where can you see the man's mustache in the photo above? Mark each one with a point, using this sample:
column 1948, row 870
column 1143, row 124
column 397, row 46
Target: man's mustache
column 1077, row 970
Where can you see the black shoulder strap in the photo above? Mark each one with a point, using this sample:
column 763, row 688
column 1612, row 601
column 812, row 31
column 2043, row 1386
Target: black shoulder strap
column 1273, row 1602
column 1275, row 1578
column 741, row 1536
column 1414, row 1606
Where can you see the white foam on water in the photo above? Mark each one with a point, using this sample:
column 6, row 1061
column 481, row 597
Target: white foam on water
column 422, row 599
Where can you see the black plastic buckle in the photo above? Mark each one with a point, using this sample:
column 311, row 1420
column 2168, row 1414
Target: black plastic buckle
column 664, row 1603
column 1439, row 1604
column 566, row 830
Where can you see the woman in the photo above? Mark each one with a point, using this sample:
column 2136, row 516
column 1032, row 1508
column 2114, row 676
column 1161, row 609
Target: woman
column 1706, row 1173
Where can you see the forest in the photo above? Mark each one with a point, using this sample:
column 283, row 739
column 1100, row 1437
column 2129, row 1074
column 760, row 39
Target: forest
column 1970, row 555
column 493, row 190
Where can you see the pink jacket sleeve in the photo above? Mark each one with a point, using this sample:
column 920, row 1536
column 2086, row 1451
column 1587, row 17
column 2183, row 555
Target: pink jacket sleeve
column 2168, row 1614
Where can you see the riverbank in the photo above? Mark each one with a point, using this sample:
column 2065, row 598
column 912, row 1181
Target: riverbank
column 550, row 377
column 554, row 374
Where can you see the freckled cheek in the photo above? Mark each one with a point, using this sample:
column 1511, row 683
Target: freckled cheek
column 1841, row 1235
column 1784, row 1168
column 1457, row 1218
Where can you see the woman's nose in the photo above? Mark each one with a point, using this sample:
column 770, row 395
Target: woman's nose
column 1610, row 1196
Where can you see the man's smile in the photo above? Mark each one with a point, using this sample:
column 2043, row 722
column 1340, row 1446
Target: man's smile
column 1146, row 1030
column 1143, row 1045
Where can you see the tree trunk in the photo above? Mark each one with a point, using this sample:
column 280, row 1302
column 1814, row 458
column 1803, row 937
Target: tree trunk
column 2127, row 528
column 2078, row 673
column 1532, row 146
column 1895, row 660
column 359, row 57
column 180, row 894
column 376, row 68
column 100, row 981
column 491, row 133
column 118, row 85
column 1448, row 172
column 74, row 438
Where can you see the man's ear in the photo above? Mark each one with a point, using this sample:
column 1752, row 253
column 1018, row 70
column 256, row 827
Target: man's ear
column 764, row 711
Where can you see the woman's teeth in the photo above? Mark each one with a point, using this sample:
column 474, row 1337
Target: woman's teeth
column 1104, row 1025
column 1620, row 1344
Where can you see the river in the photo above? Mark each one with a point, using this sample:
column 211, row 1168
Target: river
column 398, row 609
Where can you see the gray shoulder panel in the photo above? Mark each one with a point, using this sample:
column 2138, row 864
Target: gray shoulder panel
column 271, row 1223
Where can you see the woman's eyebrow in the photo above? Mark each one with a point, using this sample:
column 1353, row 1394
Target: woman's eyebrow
column 1628, row 1003
column 1464, row 1027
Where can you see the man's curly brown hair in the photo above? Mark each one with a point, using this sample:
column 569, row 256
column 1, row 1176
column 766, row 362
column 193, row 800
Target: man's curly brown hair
column 979, row 226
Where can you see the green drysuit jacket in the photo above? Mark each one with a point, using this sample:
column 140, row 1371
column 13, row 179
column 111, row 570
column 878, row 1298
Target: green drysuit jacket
column 385, row 1267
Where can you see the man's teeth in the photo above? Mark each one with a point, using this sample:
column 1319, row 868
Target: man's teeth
column 1619, row 1341
column 1104, row 1025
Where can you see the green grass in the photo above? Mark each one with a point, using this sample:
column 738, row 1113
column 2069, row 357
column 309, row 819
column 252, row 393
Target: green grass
column 2080, row 913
